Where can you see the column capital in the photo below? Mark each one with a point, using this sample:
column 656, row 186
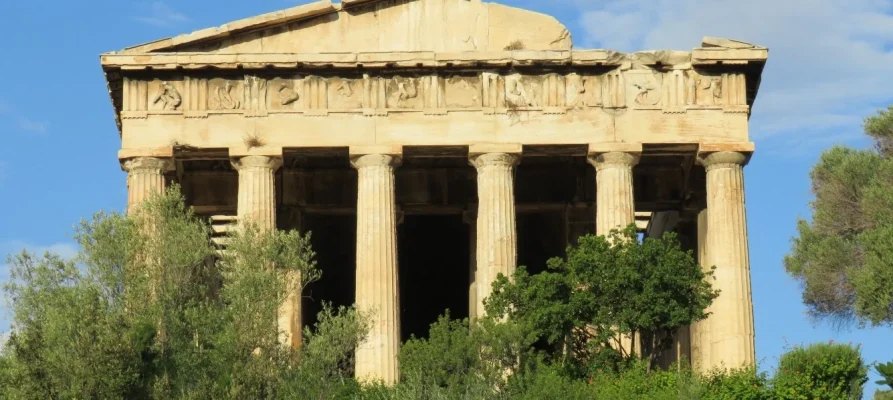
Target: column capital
column 723, row 159
column 256, row 162
column 613, row 160
column 140, row 164
column 491, row 159
column 375, row 160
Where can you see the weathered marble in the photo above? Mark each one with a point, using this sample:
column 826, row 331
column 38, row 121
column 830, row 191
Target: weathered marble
column 145, row 178
column 377, row 280
column 729, row 337
column 496, row 234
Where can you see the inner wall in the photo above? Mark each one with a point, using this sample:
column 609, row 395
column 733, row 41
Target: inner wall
column 333, row 238
column 433, row 253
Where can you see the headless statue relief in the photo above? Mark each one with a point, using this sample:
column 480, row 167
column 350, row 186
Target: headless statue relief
column 168, row 96
column 516, row 95
column 406, row 89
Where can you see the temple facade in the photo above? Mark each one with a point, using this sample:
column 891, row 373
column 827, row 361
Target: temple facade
column 430, row 145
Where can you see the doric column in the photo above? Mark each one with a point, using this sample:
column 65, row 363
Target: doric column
column 614, row 202
column 257, row 189
column 614, row 205
column 377, row 284
column 257, row 205
column 145, row 177
column 496, row 235
column 730, row 330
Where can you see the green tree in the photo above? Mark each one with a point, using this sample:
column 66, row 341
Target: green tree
column 149, row 310
column 843, row 256
column 605, row 288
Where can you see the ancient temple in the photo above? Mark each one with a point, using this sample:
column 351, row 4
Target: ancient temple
column 430, row 145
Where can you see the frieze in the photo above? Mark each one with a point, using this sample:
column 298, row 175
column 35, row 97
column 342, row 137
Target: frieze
column 672, row 91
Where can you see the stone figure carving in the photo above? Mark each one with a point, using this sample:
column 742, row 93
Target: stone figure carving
column 223, row 98
column 709, row 90
column 406, row 89
column 516, row 94
column 576, row 91
column 345, row 89
column 642, row 91
column 168, row 96
column 287, row 94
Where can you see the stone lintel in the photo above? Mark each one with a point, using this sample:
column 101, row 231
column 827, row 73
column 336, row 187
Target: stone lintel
column 601, row 148
column 391, row 150
column 169, row 61
column 157, row 152
column 266, row 151
column 484, row 148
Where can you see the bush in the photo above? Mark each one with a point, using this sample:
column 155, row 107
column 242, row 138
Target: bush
column 821, row 371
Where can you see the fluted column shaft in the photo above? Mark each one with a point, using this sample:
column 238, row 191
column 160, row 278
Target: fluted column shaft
column 145, row 177
column 614, row 204
column 496, row 251
column 377, row 284
column 257, row 190
column 730, row 330
column 257, row 205
column 700, row 349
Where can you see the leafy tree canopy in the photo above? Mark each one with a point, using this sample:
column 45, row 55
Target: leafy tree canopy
column 607, row 288
column 843, row 256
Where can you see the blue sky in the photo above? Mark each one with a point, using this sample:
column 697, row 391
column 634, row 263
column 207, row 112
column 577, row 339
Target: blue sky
column 830, row 64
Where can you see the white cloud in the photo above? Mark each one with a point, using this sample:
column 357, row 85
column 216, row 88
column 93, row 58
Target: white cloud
column 830, row 61
column 159, row 14
column 4, row 336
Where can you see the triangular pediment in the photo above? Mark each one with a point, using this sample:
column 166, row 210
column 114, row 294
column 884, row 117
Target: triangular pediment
column 377, row 26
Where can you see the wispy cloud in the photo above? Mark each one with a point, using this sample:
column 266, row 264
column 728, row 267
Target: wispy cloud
column 159, row 14
column 32, row 126
column 18, row 120
column 830, row 61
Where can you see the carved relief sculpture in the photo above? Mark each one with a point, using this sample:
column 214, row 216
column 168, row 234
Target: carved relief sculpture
column 516, row 95
column 402, row 92
column 287, row 94
column 223, row 98
column 709, row 90
column 168, row 96
column 644, row 87
column 576, row 91
column 345, row 94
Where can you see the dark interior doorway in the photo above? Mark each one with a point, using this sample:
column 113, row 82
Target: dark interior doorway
column 333, row 238
column 541, row 236
column 433, row 269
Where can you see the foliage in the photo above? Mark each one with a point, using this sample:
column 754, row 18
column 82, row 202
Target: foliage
column 886, row 372
column 842, row 256
column 605, row 288
column 821, row 371
column 148, row 310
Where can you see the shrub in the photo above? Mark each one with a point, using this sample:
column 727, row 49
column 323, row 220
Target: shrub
column 822, row 371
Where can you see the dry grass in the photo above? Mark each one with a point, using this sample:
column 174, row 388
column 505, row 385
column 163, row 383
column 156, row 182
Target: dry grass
column 515, row 45
column 253, row 140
